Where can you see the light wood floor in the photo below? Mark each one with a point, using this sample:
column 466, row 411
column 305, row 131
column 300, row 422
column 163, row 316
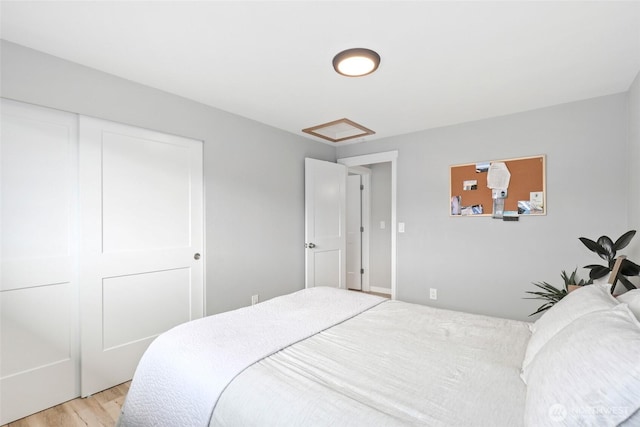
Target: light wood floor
column 373, row 293
column 101, row 409
column 379, row 294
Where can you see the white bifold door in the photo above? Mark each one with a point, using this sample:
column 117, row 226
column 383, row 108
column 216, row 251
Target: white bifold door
column 38, row 281
column 141, row 241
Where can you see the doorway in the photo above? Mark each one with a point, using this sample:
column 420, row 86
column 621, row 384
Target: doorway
column 377, row 162
column 357, row 228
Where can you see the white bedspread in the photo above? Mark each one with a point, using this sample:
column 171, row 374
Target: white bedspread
column 184, row 371
column 395, row 364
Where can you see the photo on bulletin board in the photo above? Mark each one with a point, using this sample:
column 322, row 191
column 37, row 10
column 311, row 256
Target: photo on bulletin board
column 523, row 177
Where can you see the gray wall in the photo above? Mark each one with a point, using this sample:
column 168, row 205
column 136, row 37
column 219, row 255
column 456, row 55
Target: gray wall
column 254, row 174
column 634, row 166
column 484, row 265
column 254, row 188
column 380, row 239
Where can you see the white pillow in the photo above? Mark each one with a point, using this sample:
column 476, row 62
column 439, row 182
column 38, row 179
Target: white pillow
column 578, row 303
column 588, row 374
column 632, row 299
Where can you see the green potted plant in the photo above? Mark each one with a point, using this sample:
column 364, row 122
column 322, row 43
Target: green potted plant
column 551, row 295
column 607, row 249
column 572, row 282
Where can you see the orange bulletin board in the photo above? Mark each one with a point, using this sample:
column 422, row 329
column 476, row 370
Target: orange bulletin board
column 527, row 185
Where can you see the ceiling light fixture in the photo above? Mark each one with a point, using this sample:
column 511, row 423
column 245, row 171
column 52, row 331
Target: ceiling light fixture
column 356, row 62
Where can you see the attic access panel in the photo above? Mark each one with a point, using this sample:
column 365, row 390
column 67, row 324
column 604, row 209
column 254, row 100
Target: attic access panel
column 339, row 130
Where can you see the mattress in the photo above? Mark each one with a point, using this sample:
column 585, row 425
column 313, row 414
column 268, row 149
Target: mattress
column 183, row 372
column 394, row 364
column 325, row 356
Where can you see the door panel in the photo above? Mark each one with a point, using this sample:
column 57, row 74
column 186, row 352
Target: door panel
column 158, row 200
column 141, row 201
column 126, row 296
column 327, row 268
column 29, row 315
column 36, row 164
column 38, row 293
column 325, row 198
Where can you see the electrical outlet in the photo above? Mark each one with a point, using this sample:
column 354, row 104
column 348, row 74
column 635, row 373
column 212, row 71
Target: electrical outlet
column 433, row 293
column 255, row 299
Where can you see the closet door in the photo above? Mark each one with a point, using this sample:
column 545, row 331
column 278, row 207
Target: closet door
column 38, row 294
column 141, row 270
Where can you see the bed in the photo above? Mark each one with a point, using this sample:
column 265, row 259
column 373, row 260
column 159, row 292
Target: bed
column 325, row 356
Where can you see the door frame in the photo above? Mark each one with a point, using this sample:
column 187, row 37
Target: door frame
column 383, row 157
column 365, row 221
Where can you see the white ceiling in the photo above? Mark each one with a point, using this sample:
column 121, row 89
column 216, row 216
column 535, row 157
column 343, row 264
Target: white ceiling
column 442, row 62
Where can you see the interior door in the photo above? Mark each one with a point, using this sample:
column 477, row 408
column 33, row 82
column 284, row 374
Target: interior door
column 141, row 229
column 325, row 229
column 354, row 232
column 38, row 286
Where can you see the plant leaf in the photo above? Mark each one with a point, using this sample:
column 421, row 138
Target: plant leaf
column 571, row 279
column 624, row 240
column 548, row 293
column 608, row 251
column 542, row 308
column 598, row 271
column 590, row 266
column 629, row 268
column 590, row 244
column 544, row 297
column 549, row 288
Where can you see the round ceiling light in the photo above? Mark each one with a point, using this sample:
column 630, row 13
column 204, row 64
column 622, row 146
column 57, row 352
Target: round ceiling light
column 356, row 62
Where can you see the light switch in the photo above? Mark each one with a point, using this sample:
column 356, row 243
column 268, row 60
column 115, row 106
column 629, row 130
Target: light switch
column 382, row 225
column 401, row 227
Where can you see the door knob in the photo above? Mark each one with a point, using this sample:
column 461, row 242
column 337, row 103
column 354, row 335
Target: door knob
column 310, row 245
column 196, row 256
